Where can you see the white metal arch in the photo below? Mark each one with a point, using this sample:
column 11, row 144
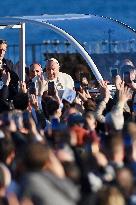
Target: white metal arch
column 63, row 33
column 43, row 19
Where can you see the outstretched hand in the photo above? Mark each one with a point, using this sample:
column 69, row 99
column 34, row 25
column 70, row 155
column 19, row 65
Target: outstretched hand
column 124, row 93
column 118, row 82
column 104, row 90
column 34, row 102
column 84, row 95
column 42, row 85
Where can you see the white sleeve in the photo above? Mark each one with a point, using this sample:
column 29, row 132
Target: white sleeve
column 69, row 83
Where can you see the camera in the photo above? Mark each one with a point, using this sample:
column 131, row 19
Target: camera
column 114, row 72
column 126, row 77
column 31, row 87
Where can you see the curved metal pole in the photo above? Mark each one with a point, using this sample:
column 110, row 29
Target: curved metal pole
column 70, row 38
column 73, row 41
column 22, row 51
column 80, row 49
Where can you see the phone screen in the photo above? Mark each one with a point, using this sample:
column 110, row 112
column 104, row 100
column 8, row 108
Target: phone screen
column 127, row 77
column 31, row 88
column 77, row 86
column 114, row 72
column 51, row 88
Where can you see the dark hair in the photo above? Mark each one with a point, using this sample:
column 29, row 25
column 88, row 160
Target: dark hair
column 52, row 106
column 44, row 105
column 127, row 68
column 49, row 106
column 21, row 101
column 35, row 156
column 6, row 148
column 90, row 105
column 3, row 42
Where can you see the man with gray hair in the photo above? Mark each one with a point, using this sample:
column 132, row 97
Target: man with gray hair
column 6, row 66
column 61, row 80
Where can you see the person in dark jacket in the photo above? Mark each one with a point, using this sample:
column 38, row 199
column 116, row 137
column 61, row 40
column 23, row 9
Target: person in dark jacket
column 7, row 66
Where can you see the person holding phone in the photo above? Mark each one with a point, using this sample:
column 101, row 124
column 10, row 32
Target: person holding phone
column 60, row 80
column 7, row 66
column 35, row 72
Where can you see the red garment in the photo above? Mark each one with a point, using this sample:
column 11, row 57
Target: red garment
column 81, row 134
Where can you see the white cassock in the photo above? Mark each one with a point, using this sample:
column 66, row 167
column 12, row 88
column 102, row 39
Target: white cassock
column 62, row 82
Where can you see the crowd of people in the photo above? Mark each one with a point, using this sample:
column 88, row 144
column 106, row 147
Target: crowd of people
column 61, row 144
